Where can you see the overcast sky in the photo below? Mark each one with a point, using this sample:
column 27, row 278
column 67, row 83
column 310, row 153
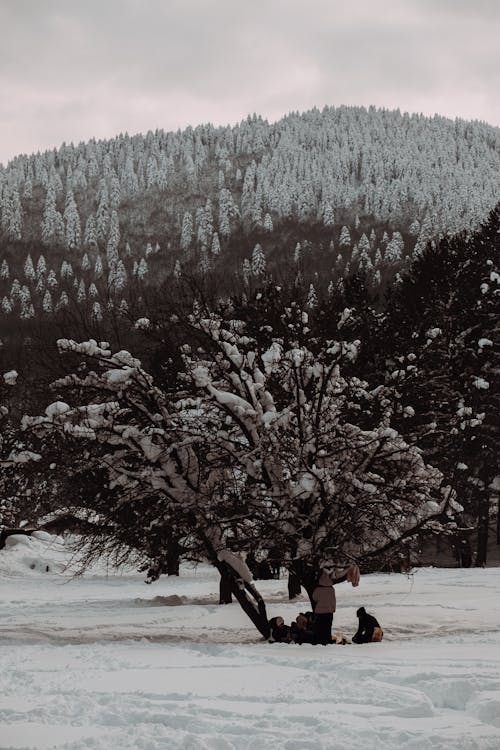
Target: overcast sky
column 75, row 69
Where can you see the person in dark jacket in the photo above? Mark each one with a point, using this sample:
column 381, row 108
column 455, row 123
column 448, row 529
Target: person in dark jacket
column 302, row 629
column 369, row 630
column 280, row 633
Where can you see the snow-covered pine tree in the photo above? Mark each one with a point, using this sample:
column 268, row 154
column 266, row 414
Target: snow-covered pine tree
column 29, row 269
column 72, row 221
column 90, row 235
column 215, row 248
column 47, row 304
column 345, row 237
column 187, row 231
column 258, row 261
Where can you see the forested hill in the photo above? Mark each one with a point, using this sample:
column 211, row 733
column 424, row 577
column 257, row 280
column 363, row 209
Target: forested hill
column 321, row 195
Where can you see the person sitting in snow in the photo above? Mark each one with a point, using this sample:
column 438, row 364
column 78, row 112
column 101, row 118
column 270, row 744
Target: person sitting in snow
column 369, row 630
column 324, row 606
column 302, row 629
column 280, row 633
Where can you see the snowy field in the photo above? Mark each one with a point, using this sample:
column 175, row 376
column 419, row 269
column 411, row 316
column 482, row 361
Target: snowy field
column 105, row 662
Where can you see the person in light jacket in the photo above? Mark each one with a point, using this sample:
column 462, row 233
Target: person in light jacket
column 324, row 607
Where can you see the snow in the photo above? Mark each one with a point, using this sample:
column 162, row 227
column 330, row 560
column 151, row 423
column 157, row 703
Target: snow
column 10, row 377
column 481, row 383
column 236, row 563
column 23, row 457
column 484, row 342
column 56, row 409
column 104, row 662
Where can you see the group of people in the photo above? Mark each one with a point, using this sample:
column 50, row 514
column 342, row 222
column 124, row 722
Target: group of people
column 316, row 626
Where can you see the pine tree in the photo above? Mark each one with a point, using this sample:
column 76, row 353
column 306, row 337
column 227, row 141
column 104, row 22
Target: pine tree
column 40, row 285
column 228, row 211
column 41, row 267
column 394, row 249
column 215, row 244
column 4, row 270
column 312, row 297
column 103, row 214
column 24, row 295
column 364, row 244
column 7, row 306
column 120, row 280
column 5, row 207
column 142, row 269
column 86, row 266
column 246, row 271
column 27, row 311
column 47, row 304
column 414, row 228
column 205, row 224
column 14, row 229
column 72, row 219
column 81, row 294
column 177, row 270
column 328, row 215
column 66, row 271
column 345, row 237
column 187, row 231
column 297, row 253
column 98, row 267
column 113, row 240
column 258, row 261
column 63, row 302
column 115, row 193
column 97, row 312
column 52, row 221
column 28, row 189
column 29, row 269
column 90, row 235
column 129, row 181
column 268, row 223
column 52, row 279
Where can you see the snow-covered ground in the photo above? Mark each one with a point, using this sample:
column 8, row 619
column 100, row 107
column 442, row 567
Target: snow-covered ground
column 105, row 662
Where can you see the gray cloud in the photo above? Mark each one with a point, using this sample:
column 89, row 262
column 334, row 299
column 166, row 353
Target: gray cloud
column 70, row 69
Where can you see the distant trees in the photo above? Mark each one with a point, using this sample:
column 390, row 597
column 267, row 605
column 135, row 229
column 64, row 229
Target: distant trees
column 441, row 334
column 319, row 177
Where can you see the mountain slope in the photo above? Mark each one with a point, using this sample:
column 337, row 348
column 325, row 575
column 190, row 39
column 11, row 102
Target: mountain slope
column 336, row 191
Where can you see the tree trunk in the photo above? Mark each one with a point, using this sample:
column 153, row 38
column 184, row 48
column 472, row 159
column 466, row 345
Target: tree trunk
column 306, row 575
column 483, row 522
column 173, row 562
column 253, row 605
column 498, row 520
column 294, row 587
column 225, row 588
